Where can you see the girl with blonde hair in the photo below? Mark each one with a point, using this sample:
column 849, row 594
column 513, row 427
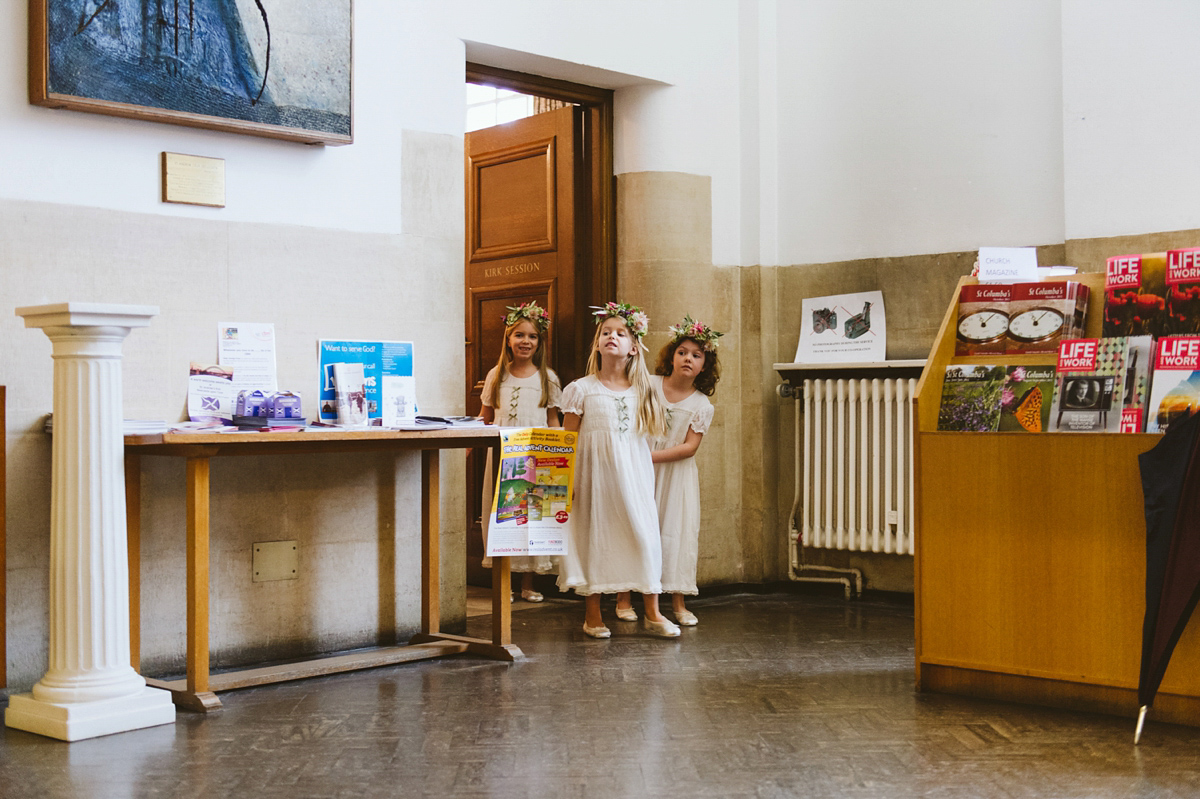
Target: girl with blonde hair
column 614, row 543
column 521, row 390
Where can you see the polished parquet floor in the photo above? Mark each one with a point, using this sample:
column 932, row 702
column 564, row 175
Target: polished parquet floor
column 777, row 695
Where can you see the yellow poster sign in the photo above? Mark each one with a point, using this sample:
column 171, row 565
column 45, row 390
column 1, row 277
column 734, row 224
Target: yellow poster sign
column 531, row 507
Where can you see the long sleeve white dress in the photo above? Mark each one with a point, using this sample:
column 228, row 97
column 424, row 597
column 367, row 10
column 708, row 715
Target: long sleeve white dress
column 614, row 543
column 677, row 491
column 517, row 405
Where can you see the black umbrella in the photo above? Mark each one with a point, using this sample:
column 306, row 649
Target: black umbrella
column 1172, row 550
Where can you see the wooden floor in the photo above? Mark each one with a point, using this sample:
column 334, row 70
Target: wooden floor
column 771, row 696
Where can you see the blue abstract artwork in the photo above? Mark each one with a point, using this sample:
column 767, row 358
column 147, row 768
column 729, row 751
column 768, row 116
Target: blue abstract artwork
column 260, row 65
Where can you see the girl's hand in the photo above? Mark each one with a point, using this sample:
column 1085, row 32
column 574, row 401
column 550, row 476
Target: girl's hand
column 680, row 451
column 488, row 415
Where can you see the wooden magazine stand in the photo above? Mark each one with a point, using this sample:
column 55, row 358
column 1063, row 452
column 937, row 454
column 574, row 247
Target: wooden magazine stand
column 1030, row 558
column 3, row 565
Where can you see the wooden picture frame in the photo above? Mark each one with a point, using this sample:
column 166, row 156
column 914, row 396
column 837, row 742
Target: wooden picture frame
column 216, row 64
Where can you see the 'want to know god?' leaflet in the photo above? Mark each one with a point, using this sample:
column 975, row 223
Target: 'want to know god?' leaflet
column 531, row 509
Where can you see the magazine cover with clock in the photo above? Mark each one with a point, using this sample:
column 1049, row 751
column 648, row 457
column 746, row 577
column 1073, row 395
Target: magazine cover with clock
column 982, row 319
column 1088, row 385
column 1040, row 315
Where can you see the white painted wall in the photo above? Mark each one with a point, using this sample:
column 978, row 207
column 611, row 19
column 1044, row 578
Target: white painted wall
column 75, row 158
column 1131, row 106
column 408, row 75
column 677, row 78
column 831, row 129
column 917, row 127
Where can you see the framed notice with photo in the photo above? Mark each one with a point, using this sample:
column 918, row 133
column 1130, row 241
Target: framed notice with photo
column 280, row 70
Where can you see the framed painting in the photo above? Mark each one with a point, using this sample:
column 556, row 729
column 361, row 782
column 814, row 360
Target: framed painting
column 275, row 68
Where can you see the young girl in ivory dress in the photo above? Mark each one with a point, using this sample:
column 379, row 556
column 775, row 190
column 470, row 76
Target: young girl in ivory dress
column 614, row 544
column 687, row 375
column 520, row 391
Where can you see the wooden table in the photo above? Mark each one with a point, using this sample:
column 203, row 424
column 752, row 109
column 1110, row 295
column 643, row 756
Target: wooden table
column 198, row 690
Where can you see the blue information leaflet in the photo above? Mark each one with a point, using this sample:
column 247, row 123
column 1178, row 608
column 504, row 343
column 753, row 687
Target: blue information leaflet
column 387, row 372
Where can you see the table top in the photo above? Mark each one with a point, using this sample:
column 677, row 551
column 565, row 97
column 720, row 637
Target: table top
column 322, row 440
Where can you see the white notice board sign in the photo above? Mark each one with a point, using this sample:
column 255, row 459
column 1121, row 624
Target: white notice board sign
column 842, row 328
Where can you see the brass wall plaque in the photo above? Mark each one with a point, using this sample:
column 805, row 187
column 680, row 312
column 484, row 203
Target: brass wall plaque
column 275, row 560
column 193, row 179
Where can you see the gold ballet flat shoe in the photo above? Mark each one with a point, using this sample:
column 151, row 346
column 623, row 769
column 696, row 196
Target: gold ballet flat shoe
column 531, row 596
column 626, row 614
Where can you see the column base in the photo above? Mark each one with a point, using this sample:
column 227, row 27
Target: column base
column 76, row 721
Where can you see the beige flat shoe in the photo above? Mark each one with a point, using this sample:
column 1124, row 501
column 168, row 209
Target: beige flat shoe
column 532, row 596
column 626, row 614
column 686, row 618
column 596, row 632
column 662, row 629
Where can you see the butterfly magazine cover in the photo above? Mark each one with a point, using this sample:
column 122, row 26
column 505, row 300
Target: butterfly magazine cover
column 1025, row 398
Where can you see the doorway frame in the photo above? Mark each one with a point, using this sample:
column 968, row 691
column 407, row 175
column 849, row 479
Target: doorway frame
column 599, row 282
column 597, row 245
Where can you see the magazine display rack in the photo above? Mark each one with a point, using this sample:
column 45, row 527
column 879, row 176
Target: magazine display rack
column 3, row 566
column 1030, row 561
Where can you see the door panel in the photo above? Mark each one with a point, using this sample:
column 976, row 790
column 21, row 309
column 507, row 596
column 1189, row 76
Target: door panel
column 522, row 204
column 515, row 200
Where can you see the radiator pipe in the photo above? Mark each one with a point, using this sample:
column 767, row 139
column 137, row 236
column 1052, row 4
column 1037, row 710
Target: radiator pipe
column 851, row 579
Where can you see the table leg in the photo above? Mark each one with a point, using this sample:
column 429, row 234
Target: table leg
column 501, row 601
column 431, row 611
column 133, row 546
column 198, row 695
column 500, row 648
column 501, row 583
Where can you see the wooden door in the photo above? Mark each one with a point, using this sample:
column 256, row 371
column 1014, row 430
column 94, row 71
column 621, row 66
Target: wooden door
column 526, row 215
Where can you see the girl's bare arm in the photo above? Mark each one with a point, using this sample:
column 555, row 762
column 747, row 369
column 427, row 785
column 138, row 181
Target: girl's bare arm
column 680, row 451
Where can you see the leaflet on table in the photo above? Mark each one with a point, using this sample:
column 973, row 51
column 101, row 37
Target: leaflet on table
column 531, row 509
column 212, row 393
column 350, row 390
column 391, row 390
column 843, row 328
column 248, row 348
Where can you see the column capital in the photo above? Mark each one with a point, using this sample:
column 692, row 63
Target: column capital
column 87, row 314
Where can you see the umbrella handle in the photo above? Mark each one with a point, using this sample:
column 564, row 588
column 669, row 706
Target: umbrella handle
column 1137, row 734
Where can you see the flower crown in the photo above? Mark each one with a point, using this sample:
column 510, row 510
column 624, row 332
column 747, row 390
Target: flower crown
column 528, row 310
column 634, row 317
column 698, row 331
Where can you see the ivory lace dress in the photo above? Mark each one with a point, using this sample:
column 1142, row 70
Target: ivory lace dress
column 677, row 491
column 517, row 406
column 614, row 543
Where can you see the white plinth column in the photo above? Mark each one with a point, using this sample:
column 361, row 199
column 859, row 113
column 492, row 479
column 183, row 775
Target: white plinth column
column 90, row 687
